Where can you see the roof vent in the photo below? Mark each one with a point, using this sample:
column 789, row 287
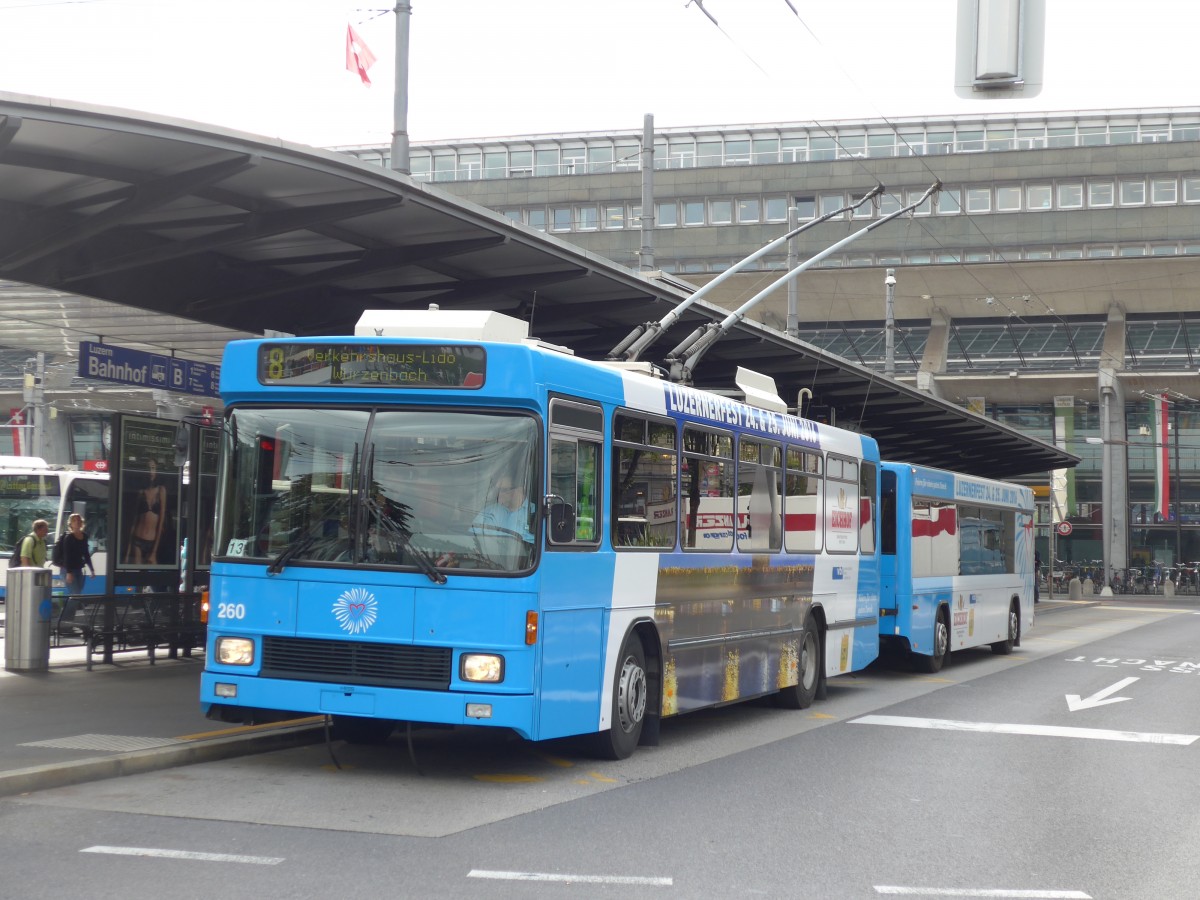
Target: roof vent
column 759, row 390
column 445, row 324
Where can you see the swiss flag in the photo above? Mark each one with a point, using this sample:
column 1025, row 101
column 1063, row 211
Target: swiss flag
column 359, row 57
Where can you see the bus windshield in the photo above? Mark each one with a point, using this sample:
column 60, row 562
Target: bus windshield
column 431, row 490
column 25, row 498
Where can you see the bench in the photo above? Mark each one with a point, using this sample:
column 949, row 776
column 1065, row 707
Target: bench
column 111, row 623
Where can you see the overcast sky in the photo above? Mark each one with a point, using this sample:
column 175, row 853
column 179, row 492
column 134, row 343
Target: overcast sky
column 482, row 68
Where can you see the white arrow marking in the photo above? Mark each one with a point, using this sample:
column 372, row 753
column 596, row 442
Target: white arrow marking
column 1100, row 698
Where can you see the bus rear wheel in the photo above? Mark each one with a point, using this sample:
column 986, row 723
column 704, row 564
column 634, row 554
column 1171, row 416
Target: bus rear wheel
column 1005, row 647
column 629, row 701
column 941, row 646
column 801, row 694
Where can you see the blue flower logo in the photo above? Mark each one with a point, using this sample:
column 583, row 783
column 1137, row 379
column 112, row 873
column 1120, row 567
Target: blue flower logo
column 356, row 610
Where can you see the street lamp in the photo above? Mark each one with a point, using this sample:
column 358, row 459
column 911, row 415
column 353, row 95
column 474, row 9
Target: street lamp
column 1109, row 519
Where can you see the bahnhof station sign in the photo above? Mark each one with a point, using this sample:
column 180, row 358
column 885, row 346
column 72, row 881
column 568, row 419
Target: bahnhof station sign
column 148, row 370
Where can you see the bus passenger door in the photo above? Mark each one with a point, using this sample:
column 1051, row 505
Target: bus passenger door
column 888, row 574
column 575, row 581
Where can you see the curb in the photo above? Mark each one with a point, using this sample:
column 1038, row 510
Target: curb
column 137, row 762
column 1056, row 605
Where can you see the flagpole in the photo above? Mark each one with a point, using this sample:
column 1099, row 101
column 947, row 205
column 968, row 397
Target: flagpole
column 400, row 161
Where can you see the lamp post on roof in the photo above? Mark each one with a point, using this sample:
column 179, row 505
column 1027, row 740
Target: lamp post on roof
column 400, row 161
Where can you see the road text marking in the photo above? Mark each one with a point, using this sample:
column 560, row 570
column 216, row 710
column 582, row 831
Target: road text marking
column 571, row 879
column 1094, row 734
column 185, row 854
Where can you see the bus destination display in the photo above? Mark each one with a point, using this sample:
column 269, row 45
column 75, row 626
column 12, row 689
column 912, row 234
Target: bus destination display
column 28, row 486
column 372, row 365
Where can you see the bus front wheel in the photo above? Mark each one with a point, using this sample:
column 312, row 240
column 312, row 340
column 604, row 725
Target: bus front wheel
column 629, row 700
column 801, row 694
column 941, row 646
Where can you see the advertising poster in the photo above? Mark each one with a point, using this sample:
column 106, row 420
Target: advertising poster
column 149, row 491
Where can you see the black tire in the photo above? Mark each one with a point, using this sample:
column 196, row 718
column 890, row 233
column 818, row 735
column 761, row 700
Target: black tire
column 630, row 696
column 801, row 694
column 1005, row 647
column 358, row 730
column 941, row 646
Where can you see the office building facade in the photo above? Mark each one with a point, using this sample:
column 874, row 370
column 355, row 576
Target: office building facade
column 1050, row 282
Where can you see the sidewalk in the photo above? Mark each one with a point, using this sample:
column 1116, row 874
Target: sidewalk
column 68, row 725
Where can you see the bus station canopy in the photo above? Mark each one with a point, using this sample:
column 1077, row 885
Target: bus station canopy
column 204, row 234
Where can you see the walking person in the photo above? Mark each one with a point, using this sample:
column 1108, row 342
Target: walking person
column 33, row 546
column 76, row 552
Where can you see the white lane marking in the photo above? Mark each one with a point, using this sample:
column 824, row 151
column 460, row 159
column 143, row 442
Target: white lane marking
column 1100, row 698
column 1095, row 734
column 1154, row 609
column 573, row 879
column 979, row 892
column 185, row 854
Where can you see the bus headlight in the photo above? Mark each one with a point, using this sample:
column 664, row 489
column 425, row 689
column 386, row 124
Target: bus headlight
column 233, row 651
column 482, row 667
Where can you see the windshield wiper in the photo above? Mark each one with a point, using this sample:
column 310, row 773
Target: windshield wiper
column 403, row 540
column 290, row 552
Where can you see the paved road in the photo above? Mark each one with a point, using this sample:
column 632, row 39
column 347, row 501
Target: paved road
column 743, row 801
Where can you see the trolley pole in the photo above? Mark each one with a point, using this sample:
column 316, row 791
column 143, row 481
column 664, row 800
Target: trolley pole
column 793, row 297
column 889, row 333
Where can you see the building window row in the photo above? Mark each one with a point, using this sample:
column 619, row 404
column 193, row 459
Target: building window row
column 1038, row 345
column 1090, row 193
column 621, row 153
column 953, row 256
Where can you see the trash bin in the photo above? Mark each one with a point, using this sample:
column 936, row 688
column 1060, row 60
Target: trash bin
column 27, row 615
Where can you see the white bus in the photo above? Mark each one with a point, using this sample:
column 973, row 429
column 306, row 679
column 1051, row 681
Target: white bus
column 957, row 562
column 31, row 489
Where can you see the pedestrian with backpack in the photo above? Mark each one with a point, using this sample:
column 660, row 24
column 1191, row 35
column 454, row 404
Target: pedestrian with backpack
column 32, row 551
column 72, row 551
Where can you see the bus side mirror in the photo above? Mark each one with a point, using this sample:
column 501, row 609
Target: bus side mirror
column 561, row 517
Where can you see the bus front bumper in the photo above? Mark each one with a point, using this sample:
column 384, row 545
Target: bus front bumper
column 223, row 695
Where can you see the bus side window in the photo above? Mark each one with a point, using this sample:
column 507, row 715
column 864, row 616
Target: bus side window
column 707, row 490
column 867, row 504
column 644, row 481
column 803, row 501
column 576, row 440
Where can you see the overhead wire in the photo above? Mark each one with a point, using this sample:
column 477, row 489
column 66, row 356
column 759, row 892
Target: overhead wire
column 1027, row 294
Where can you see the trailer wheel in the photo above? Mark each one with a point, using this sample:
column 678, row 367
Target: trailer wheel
column 1014, row 630
column 941, row 646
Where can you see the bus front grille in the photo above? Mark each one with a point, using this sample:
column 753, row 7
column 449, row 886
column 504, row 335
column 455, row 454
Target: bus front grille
column 357, row 662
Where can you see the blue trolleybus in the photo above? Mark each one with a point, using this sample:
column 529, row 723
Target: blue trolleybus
column 440, row 520
column 957, row 562
column 657, row 549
